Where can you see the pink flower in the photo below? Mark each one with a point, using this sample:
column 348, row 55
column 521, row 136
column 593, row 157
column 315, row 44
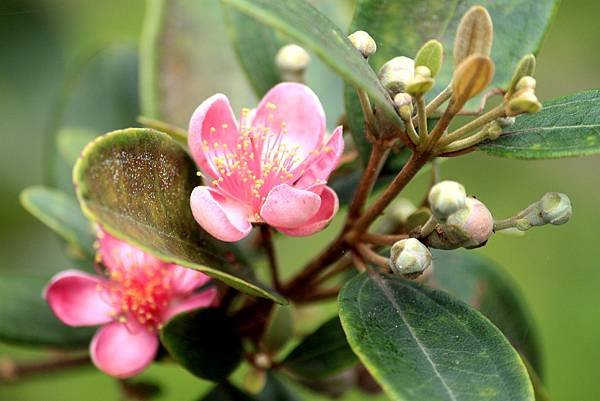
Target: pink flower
column 270, row 168
column 139, row 294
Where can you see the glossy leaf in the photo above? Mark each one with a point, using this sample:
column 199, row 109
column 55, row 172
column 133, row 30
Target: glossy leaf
column 305, row 24
column 321, row 354
column 274, row 390
column 422, row 344
column 98, row 95
column 256, row 46
column 26, row 318
column 62, row 214
column 565, row 127
column 401, row 27
column 204, row 342
column 482, row 284
column 280, row 328
column 136, row 183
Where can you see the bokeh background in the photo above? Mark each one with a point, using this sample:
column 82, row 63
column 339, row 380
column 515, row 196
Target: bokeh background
column 556, row 268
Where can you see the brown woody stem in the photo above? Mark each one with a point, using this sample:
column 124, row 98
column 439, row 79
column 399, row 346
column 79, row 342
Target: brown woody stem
column 11, row 370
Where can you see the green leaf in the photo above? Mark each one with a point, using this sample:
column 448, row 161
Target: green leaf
column 482, row 284
column 274, row 390
column 71, row 141
column 401, row 27
column 422, row 344
column 280, row 328
column 63, row 215
column 98, row 95
column 204, row 342
column 26, row 318
column 256, row 46
column 227, row 392
column 305, row 24
column 565, row 127
column 321, row 354
column 136, row 183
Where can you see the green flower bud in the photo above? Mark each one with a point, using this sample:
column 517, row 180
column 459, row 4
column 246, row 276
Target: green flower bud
column 472, row 76
column 421, row 82
column 526, row 82
column 526, row 67
column 446, row 198
column 363, row 42
column 405, row 106
column 431, row 55
column 395, row 74
column 524, row 101
column 556, row 208
column 292, row 60
column 470, row 227
column 409, row 257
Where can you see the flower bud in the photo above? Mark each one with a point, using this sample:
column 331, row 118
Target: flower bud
column 395, row 74
column 556, row 208
column 409, row 257
column 431, row 55
column 446, row 198
column 363, row 42
column 404, row 103
column 526, row 82
column 524, row 101
column 474, row 35
column 470, row 227
column 526, row 67
column 421, row 82
column 292, row 60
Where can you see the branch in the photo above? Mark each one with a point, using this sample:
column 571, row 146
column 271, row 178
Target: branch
column 11, row 370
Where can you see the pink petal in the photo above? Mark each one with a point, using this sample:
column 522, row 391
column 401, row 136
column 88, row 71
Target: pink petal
column 329, row 207
column 76, row 299
column 296, row 108
column 289, row 207
column 222, row 217
column 119, row 255
column 184, row 280
column 197, row 301
column 319, row 169
column 121, row 353
column 212, row 125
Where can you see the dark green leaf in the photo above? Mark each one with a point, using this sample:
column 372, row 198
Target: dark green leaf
column 137, row 183
column 256, row 46
column 321, row 354
column 204, row 342
column 482, row 284
column 305, row 24
column 422, row 344
column 98, row 95
column 26, row 318
column 568, row 126
column 62, row 214
column 401, row 27
column 280, row 328
column 275, row 390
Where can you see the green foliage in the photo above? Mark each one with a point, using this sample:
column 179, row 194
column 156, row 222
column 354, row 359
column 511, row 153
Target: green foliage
column 136, row 183
column 62, row 214
column 401, row 27
column 302, row 22
column 483, row 285
column 321, row 354
column 204, row 342
column 26, row 318
column 565, row 127
column 256, row 46
column 98, row 95
column 422, row 344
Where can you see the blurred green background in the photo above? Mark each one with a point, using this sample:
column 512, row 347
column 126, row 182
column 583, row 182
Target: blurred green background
column 555, row 267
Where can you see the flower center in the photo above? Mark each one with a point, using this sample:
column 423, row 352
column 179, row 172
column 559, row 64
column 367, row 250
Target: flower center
column 140, row 293
column 257, row 160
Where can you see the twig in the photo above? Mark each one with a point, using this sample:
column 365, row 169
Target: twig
column 11, row 370
column 382, row 239
column 365, row 186
column 372, row 256
column 267, row 243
